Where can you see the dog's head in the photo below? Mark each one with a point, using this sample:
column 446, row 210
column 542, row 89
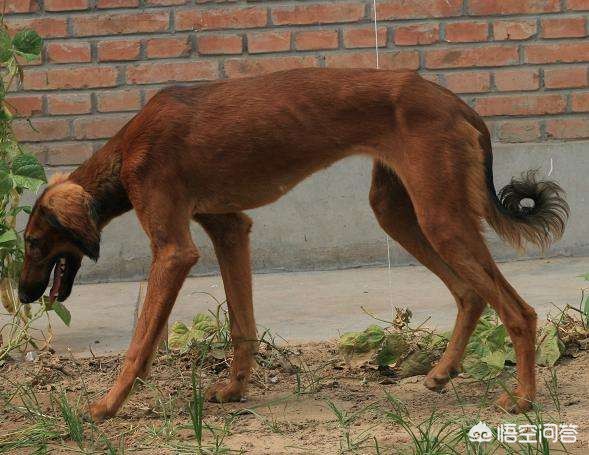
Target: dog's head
column 61, row 230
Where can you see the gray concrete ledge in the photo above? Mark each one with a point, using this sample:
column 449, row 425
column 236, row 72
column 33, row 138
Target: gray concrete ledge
column 326, row 222
column 313, row 306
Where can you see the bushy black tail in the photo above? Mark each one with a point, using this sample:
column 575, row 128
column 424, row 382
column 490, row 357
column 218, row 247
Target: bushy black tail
column 541, row 223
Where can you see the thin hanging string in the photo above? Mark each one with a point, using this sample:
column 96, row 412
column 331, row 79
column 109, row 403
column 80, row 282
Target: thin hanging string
column 376, row 52
column 375, row 33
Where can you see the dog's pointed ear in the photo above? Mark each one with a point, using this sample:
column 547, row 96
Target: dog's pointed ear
column 68, row 208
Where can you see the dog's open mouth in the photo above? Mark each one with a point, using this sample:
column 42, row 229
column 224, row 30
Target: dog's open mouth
column 58, row 274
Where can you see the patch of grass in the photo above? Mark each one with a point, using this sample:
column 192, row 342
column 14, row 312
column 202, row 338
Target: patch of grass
column 350, row 443
column 72, row 420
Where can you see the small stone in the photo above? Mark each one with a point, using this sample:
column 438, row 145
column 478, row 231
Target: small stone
column 31, row 356
column 273, row 379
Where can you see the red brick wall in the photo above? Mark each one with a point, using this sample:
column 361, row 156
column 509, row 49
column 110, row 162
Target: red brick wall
column 523, row 64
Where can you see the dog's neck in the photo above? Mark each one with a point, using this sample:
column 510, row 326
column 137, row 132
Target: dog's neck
column 100, row 177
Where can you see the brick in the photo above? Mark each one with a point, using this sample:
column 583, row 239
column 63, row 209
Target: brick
column 403, row 9
column 120, row 23
column 46, row 27
column 514, row 30
column 150, row 73
column 69, row 103
column 565, row 77
column 166, row 2
column 240, row 67
column 322, row 13
column 149, row 93
column 103, row 4
column 570, row 128
column 25, row 105
column 578, row 5
column 570, row 52
column 316, row 40
column 580, row 102
column 520, row 105
column 517, row 79
column 118, row 100
column 68, row 52
column 518, row 130
column 474, row 82
column 41, row 129
column 67, row 153
column 168, row 47
column 223, row 18
column 66, row 5
column 99, row 126
column 71, row 78
column 563, row 27
column 489, row 7
column 268, row 41
column 387, row 60
column 408, row 35
column 364, row 37
column 492, row 55
column 435, row 78
column 220, row 44
column 464, row 32
column 19, row 6
column 118, row 50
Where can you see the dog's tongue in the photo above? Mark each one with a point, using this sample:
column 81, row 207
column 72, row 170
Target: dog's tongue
column 57, row 274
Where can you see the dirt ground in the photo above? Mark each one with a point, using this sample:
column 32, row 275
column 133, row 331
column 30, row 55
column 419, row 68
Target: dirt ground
column 287, row 409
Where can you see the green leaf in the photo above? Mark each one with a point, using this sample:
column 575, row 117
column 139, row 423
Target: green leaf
column 585, row 276
column 63, row 313
column 5, row 114
column 28, row 42
column 5, row 46
column 6, row 184
column 549, row 350
column 28, row 165
column 30, row 57
column 27, row 172
column 8, row 236
column 586, row 310
column 26, row 183
column 369, row 339
column 393, row 347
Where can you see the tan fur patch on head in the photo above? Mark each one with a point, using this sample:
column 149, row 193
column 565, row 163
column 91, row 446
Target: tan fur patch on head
column 58, row 177
column 67, row 200
column 70, row 206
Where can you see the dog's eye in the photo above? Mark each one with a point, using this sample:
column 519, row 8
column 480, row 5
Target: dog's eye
column 33, row 243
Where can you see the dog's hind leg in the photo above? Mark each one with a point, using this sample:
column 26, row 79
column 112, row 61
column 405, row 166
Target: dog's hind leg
column 394, row 211
column 167, row 226
column 230, row 236
column 449, row 203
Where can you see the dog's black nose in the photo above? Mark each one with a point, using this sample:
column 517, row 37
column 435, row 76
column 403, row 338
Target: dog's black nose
column 24, row 297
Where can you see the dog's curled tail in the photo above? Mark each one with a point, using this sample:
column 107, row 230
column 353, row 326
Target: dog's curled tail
column 541, row 223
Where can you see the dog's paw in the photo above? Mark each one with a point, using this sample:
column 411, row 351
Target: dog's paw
column 99, row 411
column 224, row 392
column 436, row 380
column 513, row 403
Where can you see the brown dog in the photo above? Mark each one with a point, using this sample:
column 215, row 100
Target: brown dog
column 207, row 153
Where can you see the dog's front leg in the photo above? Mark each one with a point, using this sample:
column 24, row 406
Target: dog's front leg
column 230, row 236
column 170, row 266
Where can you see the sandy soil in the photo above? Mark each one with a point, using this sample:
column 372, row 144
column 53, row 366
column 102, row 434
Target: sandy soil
column 276, row 419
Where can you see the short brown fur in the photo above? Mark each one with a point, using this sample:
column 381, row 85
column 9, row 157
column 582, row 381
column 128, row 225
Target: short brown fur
column 208, row 153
